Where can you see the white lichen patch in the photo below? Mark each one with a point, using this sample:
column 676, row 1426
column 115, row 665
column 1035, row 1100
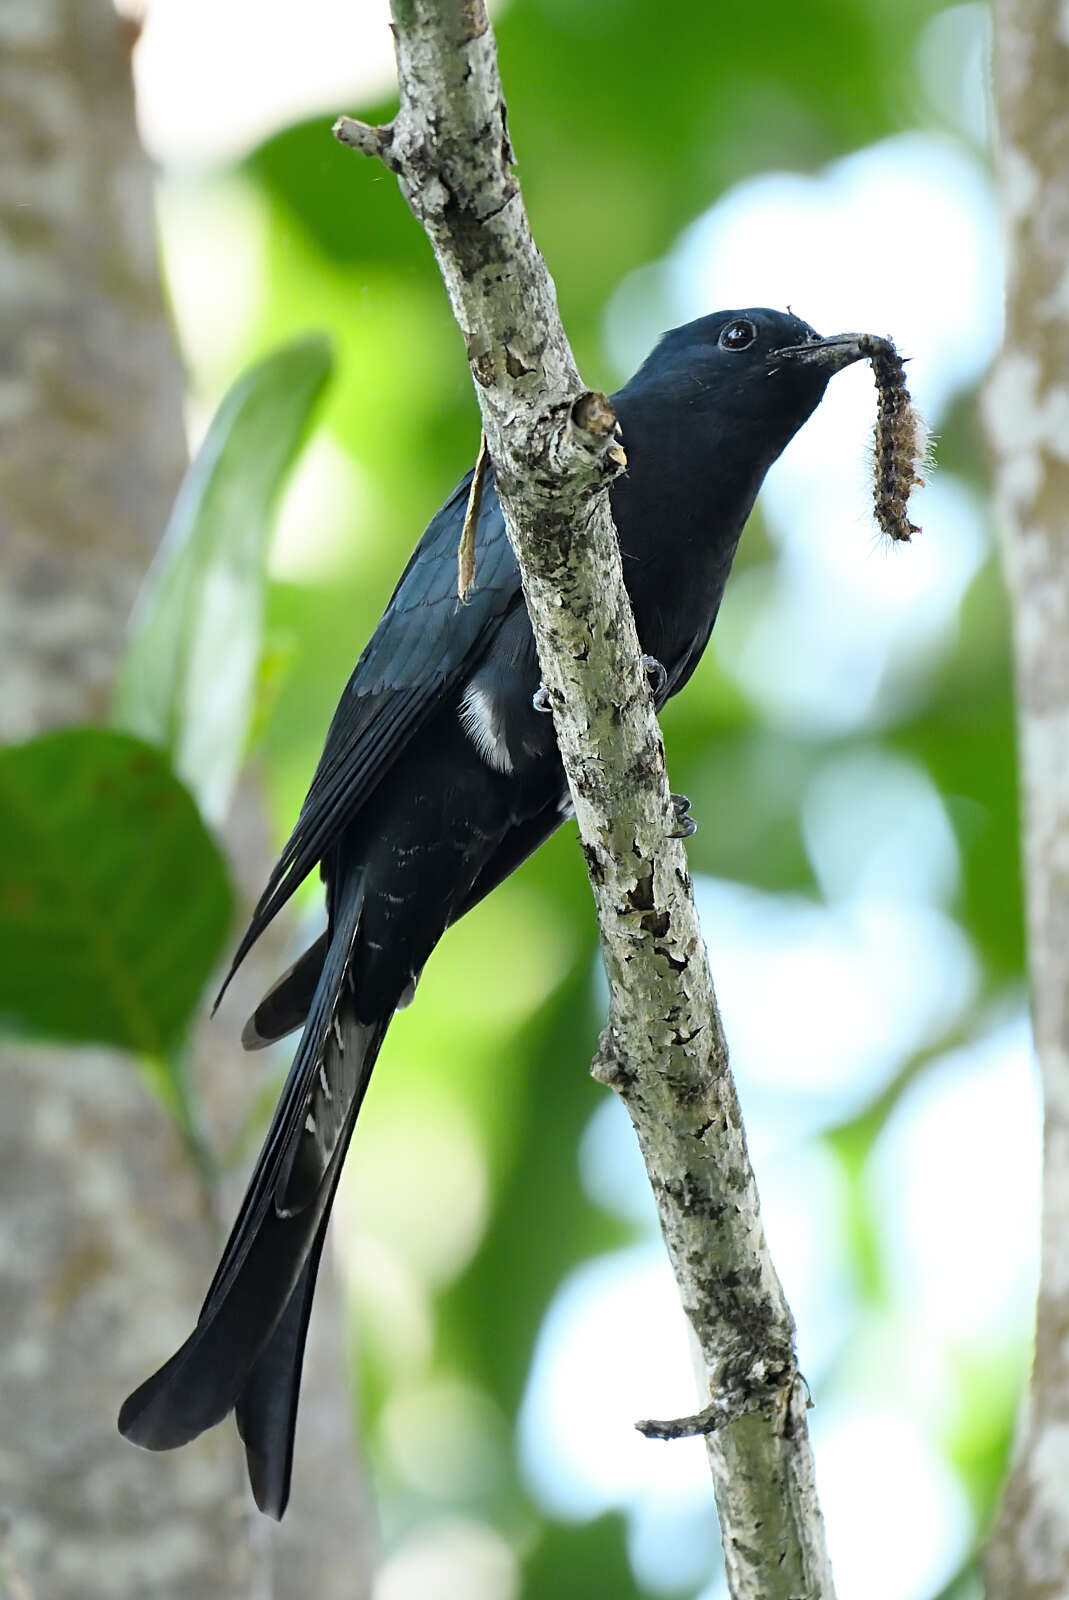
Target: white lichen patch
column 1020, row 183
column 1043, row 1539
column 1056, row 1195
column 1027, row 423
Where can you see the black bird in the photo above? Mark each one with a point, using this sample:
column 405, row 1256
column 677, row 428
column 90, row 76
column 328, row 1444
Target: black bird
column 438, row 777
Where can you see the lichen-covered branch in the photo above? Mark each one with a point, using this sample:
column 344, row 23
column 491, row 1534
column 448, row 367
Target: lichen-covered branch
column 555, row 448
column 1028, row 403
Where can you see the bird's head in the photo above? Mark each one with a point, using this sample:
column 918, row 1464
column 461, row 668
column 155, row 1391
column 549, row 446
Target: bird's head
column 751, row 378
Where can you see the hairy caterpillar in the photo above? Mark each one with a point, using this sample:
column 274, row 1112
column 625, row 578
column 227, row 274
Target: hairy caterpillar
column 900, row 446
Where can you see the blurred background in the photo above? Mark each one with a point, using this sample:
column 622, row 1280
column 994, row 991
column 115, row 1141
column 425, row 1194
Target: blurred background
column 847, row 744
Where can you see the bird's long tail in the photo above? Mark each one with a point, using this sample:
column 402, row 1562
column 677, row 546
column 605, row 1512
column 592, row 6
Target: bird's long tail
column 248, row 1345
column 266, row 1408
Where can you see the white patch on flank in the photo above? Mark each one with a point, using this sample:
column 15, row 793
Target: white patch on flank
column 480, row 720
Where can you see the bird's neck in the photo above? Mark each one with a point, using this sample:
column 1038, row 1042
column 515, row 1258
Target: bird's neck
column 679, row 512
column 690, row 485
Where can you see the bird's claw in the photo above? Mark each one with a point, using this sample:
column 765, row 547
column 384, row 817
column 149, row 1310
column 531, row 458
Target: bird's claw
column 687, row 824
column 656, row 675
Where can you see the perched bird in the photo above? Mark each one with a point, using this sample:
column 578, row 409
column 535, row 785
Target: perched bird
column 440, row 774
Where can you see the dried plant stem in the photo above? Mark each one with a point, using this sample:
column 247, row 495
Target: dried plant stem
column 466, row 548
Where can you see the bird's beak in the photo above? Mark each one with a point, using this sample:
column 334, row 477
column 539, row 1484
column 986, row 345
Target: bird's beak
column 841, row 350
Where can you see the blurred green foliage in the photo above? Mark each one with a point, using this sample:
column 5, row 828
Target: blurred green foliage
column 97, row 838
column 188, row 676
column 114, row 898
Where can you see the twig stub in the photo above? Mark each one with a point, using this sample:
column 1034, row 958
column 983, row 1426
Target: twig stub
column 361, row 136
column 767, row 1391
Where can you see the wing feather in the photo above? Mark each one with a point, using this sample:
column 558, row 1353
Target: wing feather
column 426, row 644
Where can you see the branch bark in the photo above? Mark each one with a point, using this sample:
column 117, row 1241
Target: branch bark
column 555, row 448
column 1027, row 404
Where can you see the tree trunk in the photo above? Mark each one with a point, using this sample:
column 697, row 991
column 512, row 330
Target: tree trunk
column 103, row 1257
column 1028, row 421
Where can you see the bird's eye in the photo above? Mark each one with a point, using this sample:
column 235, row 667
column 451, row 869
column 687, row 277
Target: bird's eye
column 738, row 335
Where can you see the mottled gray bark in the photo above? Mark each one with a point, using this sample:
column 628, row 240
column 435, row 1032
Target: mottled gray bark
column 554, row 450
column 1028, row 421
column 103, row 1253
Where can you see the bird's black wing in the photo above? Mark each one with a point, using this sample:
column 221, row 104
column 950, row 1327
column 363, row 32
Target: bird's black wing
column 426, row 643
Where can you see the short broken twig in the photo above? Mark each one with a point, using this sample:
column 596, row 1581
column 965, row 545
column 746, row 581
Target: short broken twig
column 768, row 1391
column 702, row 1422
column 361, row 136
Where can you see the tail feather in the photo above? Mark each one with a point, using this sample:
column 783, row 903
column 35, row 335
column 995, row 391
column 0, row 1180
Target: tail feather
column 266, row 1409
column 287, row 1003
column 263, row 1285
column 201, row 1383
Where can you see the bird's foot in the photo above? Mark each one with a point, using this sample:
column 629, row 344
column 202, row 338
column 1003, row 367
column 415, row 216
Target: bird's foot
column 687, row 825
column 656, row 675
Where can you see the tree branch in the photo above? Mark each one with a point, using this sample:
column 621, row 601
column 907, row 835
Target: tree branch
column 1028, row 1556
column 555, row 448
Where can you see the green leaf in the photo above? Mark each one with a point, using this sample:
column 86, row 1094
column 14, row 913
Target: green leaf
column 188, row 680
column 114, row 900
